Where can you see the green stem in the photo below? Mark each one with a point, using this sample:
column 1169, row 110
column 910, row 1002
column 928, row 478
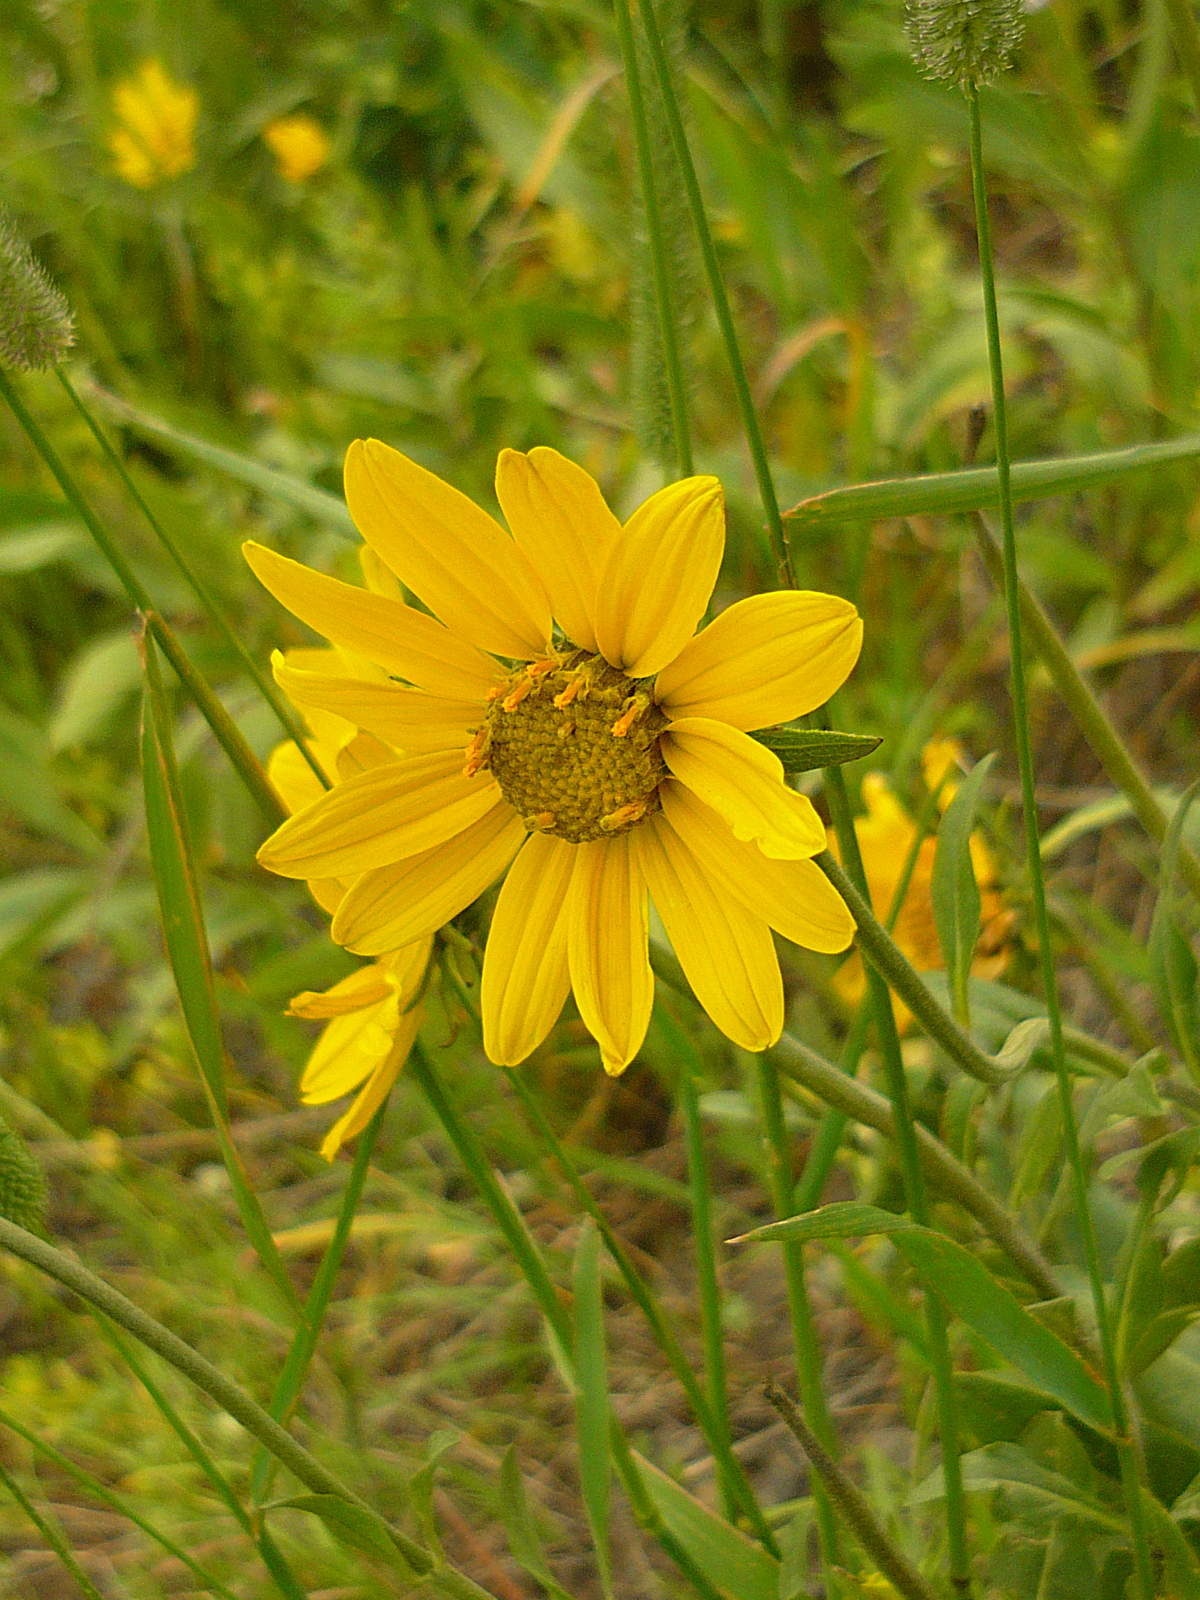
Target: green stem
column 288, row 720
column 712, row 268
column 914, row 1186
column 308, row 1331
column 1079, row 1177
column 224, row 729
column 656, row 239
column 805, row 1345
column 859, row 1517
column 1187, row 43
column 52, row 1534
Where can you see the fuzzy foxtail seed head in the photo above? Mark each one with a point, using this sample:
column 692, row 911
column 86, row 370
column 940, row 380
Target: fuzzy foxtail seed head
column 968, row 42
column 36, row 325
column 22, row 1182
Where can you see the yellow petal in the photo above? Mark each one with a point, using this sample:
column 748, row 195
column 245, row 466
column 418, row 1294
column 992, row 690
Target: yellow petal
column 525, row 976
column 327, row 892
column 380, row 816
column 607, row 949
column 659, row 575
column 448, row 551
column 363, row 988
column 391, row 905
column 376, row 1090
column 766, row 659
column 743, row 781
column 409, row 719
column 795, row 897
column 724, row 949
column 349, row 1049
column 296, row 781
column 560, row 519
column 392, row 635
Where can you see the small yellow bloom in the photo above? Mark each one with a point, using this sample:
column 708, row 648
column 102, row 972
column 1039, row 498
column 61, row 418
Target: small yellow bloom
column 299, row 144
column 156, row 121
column 372, row 1017
column 939, row 760
column 565, row 721
column 885, row 837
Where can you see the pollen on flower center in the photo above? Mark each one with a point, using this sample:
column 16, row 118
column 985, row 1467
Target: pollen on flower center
column 573, row 744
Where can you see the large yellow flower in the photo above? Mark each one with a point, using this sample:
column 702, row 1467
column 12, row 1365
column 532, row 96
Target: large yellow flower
column 371, row 1017
column 563, row 711
column 156, row 121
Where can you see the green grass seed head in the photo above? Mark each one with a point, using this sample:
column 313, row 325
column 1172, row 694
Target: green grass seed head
column 968, row 42
column 23, row 1193
column 36, row 325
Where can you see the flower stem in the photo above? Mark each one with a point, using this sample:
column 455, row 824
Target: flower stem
column 656, row 238
column 1079, row 1178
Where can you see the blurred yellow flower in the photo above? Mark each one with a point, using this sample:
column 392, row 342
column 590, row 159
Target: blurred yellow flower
column 603, row 764
column 371, row 1017
column 885, row 837
column 939, row 759
column 156, row 120
column 299, row 144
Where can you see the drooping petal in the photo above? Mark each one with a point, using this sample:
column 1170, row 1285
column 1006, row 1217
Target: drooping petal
column 362, row 988
column 380, row 816
column 394, row 636
column 765, row 659
column 561, row 520
column 412, row 898
column 409, row 719
column 743, row 781
column 377, row 1088
column 795, row 897
column 448, row 551
column 656, row 582
column 725, row 950
column 525, row 974
column 608, row 951
column 349, row 1049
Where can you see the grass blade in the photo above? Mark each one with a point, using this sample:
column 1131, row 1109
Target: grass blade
column 591, row 1394
column 953, row 890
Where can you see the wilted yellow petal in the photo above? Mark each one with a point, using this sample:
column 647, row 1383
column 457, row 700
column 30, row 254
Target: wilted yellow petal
column 361, row 989
column 377, row 1088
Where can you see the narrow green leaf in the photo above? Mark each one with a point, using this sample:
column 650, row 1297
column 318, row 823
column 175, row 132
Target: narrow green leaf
column 524, row 1541
column 1172, row 960
column 591, row 1394
column 954, row 892
column 350, row 1525
column 976, row 488
column 420, row 1485
column 730, row 1561
column 805, row 749
column 971, row 1293
column 188, row 952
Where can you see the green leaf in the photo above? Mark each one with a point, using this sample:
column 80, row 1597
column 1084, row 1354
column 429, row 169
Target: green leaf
column 1172, row 960
column 1039, row 1148
column 971, row 1293
column 804, row 749
column 420, row 1485
column 737, row 1566
column 975, row 488
column 27, row 786
column 104, row 673
column 591, row 1394
column 524, row 1541
column 351, row 1525
column 39, row 544
column 1036, row 1496
column 954, row 892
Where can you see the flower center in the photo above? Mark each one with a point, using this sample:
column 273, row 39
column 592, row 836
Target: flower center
column 573, row 744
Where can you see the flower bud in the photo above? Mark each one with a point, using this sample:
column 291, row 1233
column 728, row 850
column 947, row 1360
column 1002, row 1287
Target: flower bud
column 36, row 325
column 967, row 42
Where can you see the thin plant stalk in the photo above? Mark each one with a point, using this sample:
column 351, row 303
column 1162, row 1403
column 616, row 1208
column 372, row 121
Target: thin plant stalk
column 223, row 727
column 304, row 1341
column 656, row 238
column 1126, row 1452
column 805, row 1345
column 52, row 1534
column 288, row 720
column 941, row 1365
column 716, row 285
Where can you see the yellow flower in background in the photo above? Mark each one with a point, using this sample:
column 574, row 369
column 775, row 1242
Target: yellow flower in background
column 156, row 121
column 299, row 144
column 605, row 762
column 885, row 838
column 372, row 1016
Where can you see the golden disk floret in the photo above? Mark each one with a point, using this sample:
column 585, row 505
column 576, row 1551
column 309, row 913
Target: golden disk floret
column 573, row 744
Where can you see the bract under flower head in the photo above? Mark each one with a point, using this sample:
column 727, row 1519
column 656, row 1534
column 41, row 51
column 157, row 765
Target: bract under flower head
column 565, row 721
column 153, row 140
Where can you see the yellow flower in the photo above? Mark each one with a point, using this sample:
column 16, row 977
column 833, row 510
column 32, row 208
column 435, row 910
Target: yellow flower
column 156, row 120
column 604, row 763
column 299, row 144
column 885, row 837
column 374, row 1014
